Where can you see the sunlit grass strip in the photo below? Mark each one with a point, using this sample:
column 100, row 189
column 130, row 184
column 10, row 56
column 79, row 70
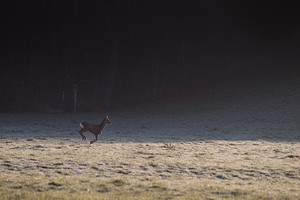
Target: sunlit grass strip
column 44, row 169
column 76, row 187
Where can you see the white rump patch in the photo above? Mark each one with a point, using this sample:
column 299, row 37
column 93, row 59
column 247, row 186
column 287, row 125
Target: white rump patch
column 81, row 125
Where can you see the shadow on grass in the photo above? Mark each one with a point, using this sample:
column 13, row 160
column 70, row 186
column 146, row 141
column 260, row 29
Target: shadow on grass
column 145, row 127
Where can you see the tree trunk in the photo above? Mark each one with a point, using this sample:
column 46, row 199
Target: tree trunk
column 75, row 97
column 114, row 23
column 155, row 71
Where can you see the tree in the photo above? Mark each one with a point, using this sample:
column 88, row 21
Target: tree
column 114, row 22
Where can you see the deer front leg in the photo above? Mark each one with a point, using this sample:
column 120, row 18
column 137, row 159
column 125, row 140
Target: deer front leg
column 94, row 140
column 83, row 136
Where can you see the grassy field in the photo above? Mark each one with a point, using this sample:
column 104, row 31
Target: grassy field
column 66, row 168
column 229, row 142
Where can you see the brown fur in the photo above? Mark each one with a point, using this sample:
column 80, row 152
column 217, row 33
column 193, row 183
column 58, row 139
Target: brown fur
column 96, row 129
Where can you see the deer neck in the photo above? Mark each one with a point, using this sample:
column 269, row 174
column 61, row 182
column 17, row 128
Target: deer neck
column 102, row 125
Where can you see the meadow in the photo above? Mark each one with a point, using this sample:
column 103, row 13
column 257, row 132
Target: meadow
column 226, row 143
column 67, row 169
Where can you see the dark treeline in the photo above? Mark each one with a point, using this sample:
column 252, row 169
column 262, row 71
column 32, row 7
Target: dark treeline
column 120, row 52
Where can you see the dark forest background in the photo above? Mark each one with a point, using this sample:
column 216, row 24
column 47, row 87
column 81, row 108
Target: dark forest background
column 119, row 53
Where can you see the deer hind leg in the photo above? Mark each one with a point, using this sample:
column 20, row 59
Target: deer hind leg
column 94, row 140
column 81, row 133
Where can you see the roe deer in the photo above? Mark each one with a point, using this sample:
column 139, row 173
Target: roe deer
column 96, row 129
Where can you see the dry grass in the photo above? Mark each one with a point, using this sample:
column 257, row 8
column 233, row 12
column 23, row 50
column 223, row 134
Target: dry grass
column 210, row 169
column 236, row 141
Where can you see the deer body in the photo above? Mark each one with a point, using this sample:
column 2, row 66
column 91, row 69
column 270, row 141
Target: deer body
column 96, row 129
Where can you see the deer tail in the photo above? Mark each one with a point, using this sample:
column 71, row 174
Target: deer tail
column 81, row 125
